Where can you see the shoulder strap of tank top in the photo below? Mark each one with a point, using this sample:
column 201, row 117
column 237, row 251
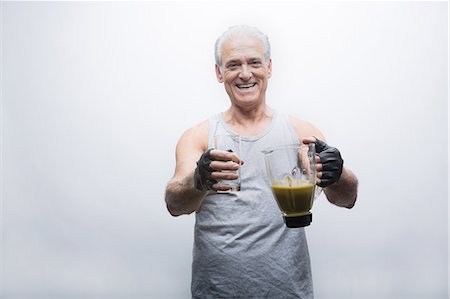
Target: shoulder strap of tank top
column 214, row 124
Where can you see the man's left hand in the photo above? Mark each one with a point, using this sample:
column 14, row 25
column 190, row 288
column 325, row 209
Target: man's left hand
column 330, row 163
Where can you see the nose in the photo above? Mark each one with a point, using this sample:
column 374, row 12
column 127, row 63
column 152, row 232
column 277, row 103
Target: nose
column 245, row 73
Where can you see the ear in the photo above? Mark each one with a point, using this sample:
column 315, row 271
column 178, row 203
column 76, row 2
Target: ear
column 269, row 65
column 219, row 74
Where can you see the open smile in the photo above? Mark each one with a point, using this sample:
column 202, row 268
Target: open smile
column 245, row 86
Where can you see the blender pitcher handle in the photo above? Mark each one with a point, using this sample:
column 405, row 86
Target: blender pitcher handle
column 318, row 190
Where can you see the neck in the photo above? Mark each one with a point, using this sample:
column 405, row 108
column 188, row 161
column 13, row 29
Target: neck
column 248, row 122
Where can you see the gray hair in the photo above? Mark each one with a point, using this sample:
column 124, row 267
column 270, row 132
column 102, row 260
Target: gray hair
column 241, row 30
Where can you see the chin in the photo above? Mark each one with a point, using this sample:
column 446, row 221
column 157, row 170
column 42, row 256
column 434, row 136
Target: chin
column 247, row 102
column 248, row 98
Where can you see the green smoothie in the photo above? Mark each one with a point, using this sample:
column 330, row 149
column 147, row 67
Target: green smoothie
column 294, row 200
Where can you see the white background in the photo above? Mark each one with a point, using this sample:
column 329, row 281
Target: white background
column 96, row 95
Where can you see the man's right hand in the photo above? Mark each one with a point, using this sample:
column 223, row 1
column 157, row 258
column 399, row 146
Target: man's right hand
column 203, row 179
column 210, row 168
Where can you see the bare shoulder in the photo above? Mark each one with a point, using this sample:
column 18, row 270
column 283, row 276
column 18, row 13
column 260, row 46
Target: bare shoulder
column 191, row 145
column 195, row 137
column 304, row 128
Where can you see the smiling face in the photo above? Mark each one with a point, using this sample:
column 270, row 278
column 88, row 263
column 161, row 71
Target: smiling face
column 244, row 71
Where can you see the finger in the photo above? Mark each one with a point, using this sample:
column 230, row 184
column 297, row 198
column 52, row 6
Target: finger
column 308, row 140
column 221, row 155
column 318, row 160
column 221, row 165
column 319, row 167
column 217, row 175
column 319, row 174
column 221, row 187
column 236, row 158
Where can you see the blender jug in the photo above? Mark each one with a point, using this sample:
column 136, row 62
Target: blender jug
column 291, row 170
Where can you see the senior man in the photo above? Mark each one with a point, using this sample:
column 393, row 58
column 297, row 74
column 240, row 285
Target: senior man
column 242, row 247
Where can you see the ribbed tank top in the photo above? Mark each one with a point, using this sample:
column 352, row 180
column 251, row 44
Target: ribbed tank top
column 242, row 248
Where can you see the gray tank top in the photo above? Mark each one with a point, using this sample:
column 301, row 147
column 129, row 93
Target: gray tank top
column 242, row 248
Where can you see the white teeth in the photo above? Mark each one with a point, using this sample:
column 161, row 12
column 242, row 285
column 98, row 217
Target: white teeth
column 245, row 85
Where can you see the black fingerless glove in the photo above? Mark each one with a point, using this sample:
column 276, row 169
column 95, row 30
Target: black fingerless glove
column 332, row 163
column 202, row 175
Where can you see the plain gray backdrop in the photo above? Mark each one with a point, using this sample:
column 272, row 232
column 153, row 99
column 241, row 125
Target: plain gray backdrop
column 96, row 95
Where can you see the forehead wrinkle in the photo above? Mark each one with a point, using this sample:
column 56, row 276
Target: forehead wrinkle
column 242, row 59
column 242, row 49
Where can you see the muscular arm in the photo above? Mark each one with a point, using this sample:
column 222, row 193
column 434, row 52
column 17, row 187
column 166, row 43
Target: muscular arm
column 344, row 192
column 181, row 195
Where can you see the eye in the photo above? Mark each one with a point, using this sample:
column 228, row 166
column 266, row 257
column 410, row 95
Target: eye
column 232, row 66
column 255, row 62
